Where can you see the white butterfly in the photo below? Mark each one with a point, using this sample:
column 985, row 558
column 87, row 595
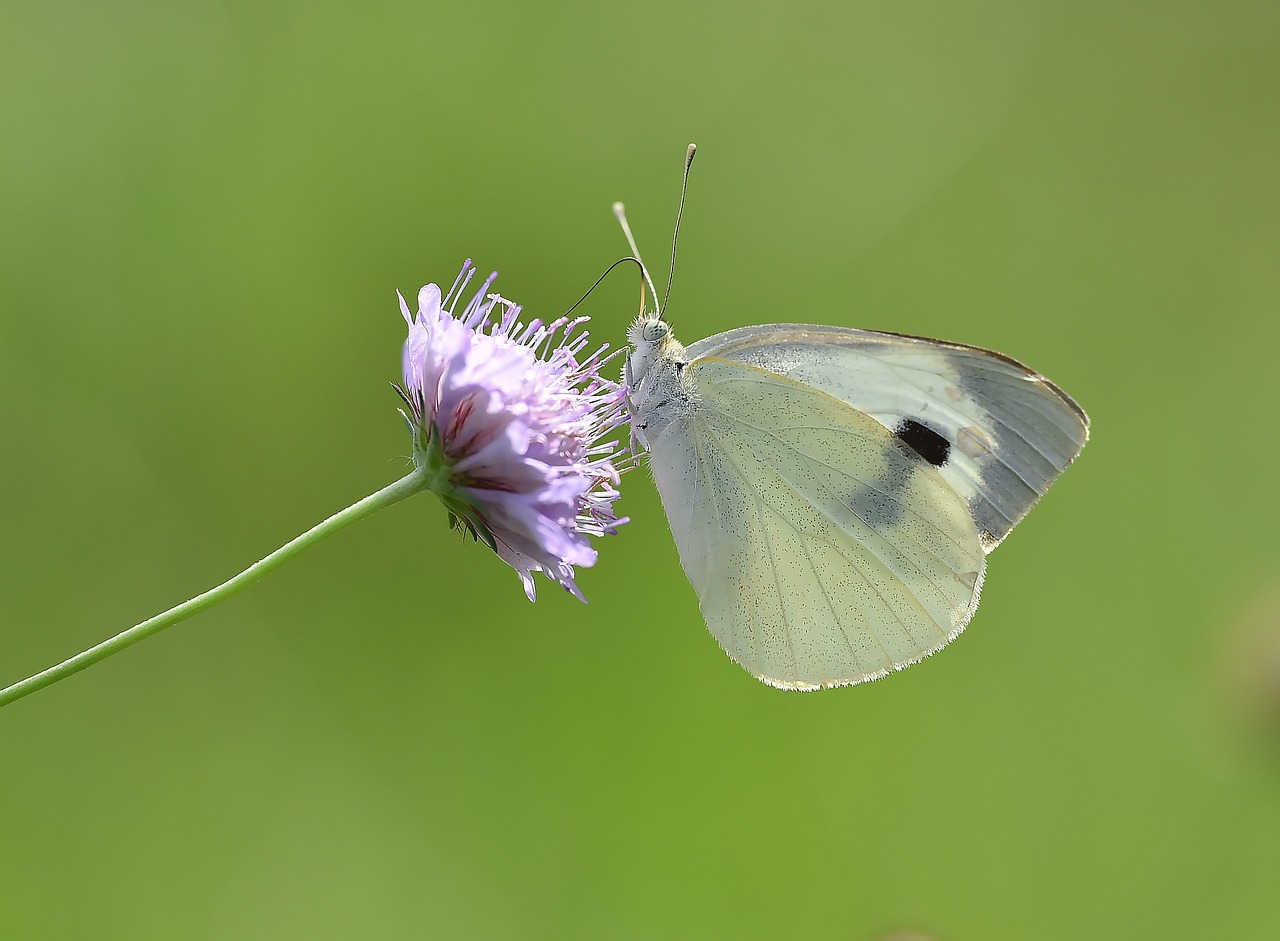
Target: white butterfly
column 834, row 492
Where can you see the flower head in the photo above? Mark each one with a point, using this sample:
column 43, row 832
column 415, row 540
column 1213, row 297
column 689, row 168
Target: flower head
column 508, row 421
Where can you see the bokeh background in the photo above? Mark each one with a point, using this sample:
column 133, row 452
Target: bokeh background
column 205, row 208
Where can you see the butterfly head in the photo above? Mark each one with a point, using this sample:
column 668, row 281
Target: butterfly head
column 651, row 343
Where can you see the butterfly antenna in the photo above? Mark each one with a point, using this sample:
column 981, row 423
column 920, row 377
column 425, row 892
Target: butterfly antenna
column 620, row 211
column 684, row 185
column 620, row 261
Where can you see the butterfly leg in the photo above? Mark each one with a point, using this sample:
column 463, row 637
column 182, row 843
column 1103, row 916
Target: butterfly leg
column 628, row 379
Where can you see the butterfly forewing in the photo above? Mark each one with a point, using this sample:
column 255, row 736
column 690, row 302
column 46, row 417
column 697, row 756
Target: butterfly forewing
column 997, row 431
column 824, row 551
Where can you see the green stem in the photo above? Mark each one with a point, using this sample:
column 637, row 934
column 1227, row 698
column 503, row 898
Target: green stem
column 393, row 493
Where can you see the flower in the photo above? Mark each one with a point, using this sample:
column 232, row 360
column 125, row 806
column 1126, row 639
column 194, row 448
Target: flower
column 507, row 422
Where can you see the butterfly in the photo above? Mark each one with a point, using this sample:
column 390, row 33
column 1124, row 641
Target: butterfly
column 834, row 492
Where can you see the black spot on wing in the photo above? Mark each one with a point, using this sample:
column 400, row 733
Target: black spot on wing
column 924, row 441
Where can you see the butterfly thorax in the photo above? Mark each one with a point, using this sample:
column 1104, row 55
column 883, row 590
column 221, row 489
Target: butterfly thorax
column 658, row 391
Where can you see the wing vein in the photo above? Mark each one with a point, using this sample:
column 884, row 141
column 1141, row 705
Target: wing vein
column 755, row 496
column 817, row 460
column 835, row 616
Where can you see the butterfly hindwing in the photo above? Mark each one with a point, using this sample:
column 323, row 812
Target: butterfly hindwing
column 824, row 549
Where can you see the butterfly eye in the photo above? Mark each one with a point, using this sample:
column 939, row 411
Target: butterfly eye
column 655, row 330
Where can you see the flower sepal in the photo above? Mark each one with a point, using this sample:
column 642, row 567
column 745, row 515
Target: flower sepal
column 429, row 457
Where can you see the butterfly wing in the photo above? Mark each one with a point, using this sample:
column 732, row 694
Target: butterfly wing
column 823, row 550
column 998, row 432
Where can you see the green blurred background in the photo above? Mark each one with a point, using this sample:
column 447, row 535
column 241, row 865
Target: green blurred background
column 205, row 208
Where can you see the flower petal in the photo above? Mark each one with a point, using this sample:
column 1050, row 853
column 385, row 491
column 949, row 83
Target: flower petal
column 522, row 422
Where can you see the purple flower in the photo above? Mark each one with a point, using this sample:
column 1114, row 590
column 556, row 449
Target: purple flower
column 507, row 422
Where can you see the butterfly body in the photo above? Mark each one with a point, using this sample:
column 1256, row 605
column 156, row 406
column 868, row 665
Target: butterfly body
column 833, row 493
